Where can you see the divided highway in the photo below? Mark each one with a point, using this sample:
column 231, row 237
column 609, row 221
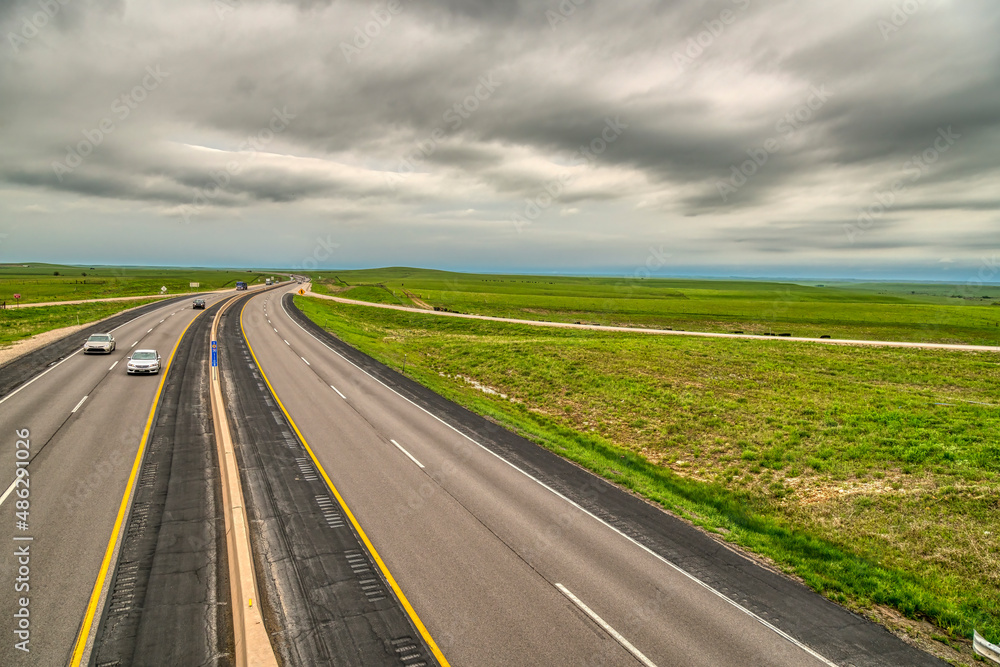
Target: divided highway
column 390, row 526
column 510, row 555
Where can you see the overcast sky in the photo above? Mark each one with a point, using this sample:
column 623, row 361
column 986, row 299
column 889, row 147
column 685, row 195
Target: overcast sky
column 858, row 138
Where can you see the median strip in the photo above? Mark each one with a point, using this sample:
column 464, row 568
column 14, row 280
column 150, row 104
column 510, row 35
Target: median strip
column 253, row 647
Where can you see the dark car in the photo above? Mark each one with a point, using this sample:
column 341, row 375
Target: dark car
column 198, row 303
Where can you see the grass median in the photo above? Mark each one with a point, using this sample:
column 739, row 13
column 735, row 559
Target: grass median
column 873, row 474
column 21, row 323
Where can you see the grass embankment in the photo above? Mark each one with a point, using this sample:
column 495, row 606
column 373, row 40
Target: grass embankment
column 40, row 283
column 872, row 474
column 916, row 312
column 20, row 323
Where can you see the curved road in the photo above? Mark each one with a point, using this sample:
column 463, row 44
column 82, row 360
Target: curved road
column 501, row 567
column 667, row 332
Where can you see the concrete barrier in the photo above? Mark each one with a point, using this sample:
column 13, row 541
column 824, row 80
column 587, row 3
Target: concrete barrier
column 253, row 646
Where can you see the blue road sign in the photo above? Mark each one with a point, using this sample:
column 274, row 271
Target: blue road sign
column 215, row 354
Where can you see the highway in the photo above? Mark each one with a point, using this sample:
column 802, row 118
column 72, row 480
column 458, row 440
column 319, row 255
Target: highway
column 510, row 555
column 390, row 526
column 86, row 419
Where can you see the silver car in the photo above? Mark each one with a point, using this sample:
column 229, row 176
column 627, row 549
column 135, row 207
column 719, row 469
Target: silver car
column 99, row 343
column 143, row 361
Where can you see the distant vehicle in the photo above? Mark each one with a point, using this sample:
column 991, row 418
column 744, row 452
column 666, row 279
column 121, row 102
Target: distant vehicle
column 99, row 343
column 143, row 361
column 198, row 303
column 267, row 282
column 241, row 285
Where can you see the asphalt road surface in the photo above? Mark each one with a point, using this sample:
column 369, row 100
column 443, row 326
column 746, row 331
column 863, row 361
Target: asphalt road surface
column 511, row 555
column 86, row 417
column 168, row 600
column 323, row 598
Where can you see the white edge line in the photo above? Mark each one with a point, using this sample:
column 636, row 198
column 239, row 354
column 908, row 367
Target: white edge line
column 687, row 574
column 626, row 644
column 51, row 368
column 338, row 391
column 8, row 492
column 400, row 448
column 78, row 405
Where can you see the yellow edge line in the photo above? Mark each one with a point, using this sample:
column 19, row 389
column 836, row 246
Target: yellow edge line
column 350, row 515
column 88, row 619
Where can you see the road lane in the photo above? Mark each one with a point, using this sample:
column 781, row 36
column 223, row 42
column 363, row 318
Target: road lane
column 79, row 468
column 467, row 492
column 324, row 594
column 168, row 590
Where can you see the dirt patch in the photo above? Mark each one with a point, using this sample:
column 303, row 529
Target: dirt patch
column 27, row 345
column 925, row 636
column 417, row 300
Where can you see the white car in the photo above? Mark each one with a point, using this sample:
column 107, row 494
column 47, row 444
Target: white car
column 143, row 361
column 99, row 343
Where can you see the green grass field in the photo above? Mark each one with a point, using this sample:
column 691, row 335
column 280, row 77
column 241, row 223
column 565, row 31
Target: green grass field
column 873, row 474
column 919, row 312
column 39, row 283
column 20, row 323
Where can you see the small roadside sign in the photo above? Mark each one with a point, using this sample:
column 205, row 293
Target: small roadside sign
column 215, row 354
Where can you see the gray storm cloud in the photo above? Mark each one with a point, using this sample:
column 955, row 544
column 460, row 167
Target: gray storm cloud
column 778, row 135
